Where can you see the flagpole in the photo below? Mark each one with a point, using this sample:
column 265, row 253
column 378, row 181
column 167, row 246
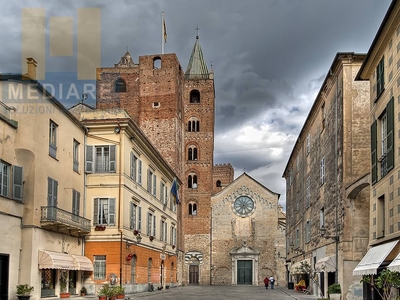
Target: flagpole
column 162, row 33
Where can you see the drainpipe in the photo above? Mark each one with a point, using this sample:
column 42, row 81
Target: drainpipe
column 119, row 205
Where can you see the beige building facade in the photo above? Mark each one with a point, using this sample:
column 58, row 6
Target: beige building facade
column 134, row 216
column 327, row 179
column 381, row 70
column 42, row 164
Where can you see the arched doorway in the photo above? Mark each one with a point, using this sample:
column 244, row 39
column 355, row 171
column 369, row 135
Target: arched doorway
column 194, row 274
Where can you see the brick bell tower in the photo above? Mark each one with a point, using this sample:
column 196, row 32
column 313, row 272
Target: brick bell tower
column 176, row 112
column 199, row 119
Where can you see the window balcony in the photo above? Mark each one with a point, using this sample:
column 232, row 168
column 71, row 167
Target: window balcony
column 57, row 219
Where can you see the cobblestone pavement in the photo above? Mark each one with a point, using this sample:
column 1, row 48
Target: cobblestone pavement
column 242, row 292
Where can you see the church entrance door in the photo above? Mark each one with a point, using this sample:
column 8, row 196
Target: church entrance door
column 244, row 272
column 194, row 274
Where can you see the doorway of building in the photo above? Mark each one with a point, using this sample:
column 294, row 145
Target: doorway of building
column 244, row 272
column 193, row 274
column 48, row 283
column 4, row 261
column 72, row 282
column 162, row 273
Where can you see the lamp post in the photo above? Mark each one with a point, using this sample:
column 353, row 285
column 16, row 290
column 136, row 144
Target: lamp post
column 322, row 231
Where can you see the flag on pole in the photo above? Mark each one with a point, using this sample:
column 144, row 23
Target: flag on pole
column 164, row 28
column 174, row 191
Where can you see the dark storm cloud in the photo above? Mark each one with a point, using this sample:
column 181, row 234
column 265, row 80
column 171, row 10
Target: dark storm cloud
column 269, row 57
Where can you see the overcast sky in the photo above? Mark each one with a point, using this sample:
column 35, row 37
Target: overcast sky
column 269, row 57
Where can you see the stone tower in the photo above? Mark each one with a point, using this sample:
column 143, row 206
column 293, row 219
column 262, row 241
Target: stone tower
column 199, row 119
column 176, row 112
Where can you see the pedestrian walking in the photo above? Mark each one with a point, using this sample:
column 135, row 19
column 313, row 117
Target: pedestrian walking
column 272, row 282
column 266, row 282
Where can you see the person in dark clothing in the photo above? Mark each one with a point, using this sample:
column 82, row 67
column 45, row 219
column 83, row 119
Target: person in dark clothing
column 266, row 282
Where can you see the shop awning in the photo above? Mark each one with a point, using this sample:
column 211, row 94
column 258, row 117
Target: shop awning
column 395, row 264
column 373, row 259
column 296, row 267
column 327, row 264
column 82, row 263
column 55, row 260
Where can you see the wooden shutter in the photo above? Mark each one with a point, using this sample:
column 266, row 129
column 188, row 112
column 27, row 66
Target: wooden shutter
column 374, row 158
column 89, row 159
column 139, row 171
column 162, row 192
column 131, row 213
column 17, row 182
column 96, row 211
column 139, row 218
column 149, row 178
column 390, row 135
column 111, row 211
column 112, row 159
column 154, row 185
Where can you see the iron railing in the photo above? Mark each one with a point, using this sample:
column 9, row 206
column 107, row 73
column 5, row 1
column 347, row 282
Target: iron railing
column 57, row 215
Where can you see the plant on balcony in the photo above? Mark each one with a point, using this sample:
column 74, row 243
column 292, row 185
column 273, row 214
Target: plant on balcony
column 100, row 228
column 136, row 232
column 24, row 291
column 151, row 238
column 173, row 246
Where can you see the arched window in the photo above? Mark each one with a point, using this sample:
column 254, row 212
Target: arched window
column 133, row 268
column 219, row 183
column 157, row 62
column 193, row 125
column 194, row 96
column 192, row 209
column 192, row 181
column 192, row 153
column 120, row 85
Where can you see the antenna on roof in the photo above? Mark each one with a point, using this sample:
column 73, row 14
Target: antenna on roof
column 84, row 97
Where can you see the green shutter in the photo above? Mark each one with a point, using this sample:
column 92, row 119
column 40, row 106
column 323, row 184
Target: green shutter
column 17, row 182
column 390, row 135
column 374, row 158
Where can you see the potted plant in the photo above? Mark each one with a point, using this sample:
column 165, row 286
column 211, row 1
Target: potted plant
column 136, row 232
column 151, row 238
column 334, row 291
column 24, row 291
column 63, row 284
column 120, row 291
column 103, row 292
column 112, row 292
column 83, row 291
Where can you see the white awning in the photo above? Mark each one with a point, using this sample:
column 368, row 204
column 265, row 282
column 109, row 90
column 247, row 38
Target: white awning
column 327, row 264
column 395, row 264
column 373, row 259
column 82, row 263
column 295, row 268
column 55, row 260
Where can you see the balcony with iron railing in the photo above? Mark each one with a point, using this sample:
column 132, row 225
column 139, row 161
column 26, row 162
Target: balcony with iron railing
column 56, row 219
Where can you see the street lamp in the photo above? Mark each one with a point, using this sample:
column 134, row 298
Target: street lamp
column 322, row 231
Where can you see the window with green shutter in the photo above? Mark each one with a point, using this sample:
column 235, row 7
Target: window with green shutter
column 374, row 158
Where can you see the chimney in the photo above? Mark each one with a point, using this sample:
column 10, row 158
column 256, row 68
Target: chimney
column 32, row 64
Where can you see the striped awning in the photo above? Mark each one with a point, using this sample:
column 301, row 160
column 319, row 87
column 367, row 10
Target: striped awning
column 82, row 263
column 374, row 258
column 58, row 260
column 327, row 264
column 55, row 260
